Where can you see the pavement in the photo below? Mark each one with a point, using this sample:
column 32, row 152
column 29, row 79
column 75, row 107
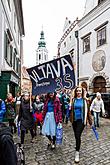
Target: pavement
column 92, row 152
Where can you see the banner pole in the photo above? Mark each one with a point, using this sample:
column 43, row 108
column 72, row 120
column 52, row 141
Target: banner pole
column 30, row 101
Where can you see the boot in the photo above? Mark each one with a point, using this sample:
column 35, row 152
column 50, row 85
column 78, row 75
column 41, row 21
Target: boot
column 76, row 157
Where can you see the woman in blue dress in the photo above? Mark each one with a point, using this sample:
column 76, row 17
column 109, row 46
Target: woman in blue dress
column 52, row 115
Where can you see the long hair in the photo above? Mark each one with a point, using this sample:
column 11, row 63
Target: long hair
column 75, row 93
column 48, row 96
column 34, row 100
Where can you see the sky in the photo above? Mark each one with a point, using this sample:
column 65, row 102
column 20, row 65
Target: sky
column 51, row 15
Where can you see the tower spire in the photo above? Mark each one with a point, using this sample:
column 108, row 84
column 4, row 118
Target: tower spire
column 42, row 42
column 42, row 52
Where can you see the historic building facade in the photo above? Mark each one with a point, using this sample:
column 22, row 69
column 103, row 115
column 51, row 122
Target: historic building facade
column 90, row 45
column 94, row 46
column 11, row 45
column 68, row 42
column 41, row 52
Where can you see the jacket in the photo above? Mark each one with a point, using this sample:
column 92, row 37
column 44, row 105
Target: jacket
column 25, row 115
column 7, row 148
column 57, row 110
column 38, row 107
column 10, row 109
column 97, row 105
column 86, row 112
column 2, row 110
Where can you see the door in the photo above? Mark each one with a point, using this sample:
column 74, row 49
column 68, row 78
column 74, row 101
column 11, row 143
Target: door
column 99, row 84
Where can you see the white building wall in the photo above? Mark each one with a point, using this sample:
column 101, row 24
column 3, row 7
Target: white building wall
column 71, row 44
column 7, row 21
column 0, row 36
column 99, row 15
column 90, row 4
column 44, row 55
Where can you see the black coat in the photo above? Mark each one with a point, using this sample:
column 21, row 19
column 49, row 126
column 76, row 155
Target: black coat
column 25, row 116
column 7, row 148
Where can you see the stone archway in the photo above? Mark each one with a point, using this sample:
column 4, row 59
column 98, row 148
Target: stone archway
column 99, row 84
column 94, row 77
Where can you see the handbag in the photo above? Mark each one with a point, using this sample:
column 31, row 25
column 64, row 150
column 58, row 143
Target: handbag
column 59, row 134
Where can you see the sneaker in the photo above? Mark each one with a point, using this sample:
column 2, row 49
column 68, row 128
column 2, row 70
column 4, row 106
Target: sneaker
column 53, row 146
column 32, row 141
column 77, row 157
column 49, row 145
column 22, row 146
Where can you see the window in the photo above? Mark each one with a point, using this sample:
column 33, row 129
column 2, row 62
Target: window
column 101, row 36
column 15, row 21
column 64, row 44
column 72, row 53
column 14, row 59
column 9, row 4
column 70, row 38
column 11, row 55
column 86, row 44
column 18, row 37
column 8, row 49
column 45, row 57
column 39, row 56
column 17, row 65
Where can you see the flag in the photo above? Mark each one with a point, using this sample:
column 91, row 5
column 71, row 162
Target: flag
column 95, row 133
column 52, row 75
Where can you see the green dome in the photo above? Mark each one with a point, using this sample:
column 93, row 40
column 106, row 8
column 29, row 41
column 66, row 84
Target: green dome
column 42, row 42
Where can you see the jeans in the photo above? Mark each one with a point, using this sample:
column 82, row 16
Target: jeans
column 96, row 118
column 78, row 128
column 11, row 125
column 23, row 135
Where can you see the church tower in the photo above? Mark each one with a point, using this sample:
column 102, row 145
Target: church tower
column 42, row 52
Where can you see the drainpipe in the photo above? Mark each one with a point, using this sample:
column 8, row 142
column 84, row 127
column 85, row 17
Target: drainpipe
column 77, row 37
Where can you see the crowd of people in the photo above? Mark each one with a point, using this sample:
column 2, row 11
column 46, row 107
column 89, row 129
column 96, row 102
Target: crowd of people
column 47, row 111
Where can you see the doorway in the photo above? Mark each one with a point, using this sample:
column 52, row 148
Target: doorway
column 99, row 84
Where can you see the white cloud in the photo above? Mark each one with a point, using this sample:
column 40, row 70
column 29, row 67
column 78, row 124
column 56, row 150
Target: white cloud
column 51, row 14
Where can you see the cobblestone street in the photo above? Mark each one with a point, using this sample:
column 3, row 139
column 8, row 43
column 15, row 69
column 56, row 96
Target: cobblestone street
column 92, row 152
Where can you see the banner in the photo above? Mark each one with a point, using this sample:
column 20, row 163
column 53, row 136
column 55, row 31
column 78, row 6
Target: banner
column 52, row 76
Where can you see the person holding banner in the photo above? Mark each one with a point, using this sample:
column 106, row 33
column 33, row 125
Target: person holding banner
column 78, row 116
column 52, row 116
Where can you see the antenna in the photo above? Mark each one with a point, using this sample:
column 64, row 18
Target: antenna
column 42, row 27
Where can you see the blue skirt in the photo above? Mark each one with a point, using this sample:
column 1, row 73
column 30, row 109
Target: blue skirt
column 49, row 126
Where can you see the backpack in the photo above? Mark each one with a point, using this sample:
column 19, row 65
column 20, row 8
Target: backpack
column 20, row 154
column 7, row 148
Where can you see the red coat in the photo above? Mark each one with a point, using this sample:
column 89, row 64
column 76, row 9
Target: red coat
column 57, row 110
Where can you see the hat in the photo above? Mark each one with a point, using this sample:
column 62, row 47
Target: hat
column 98, row 94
